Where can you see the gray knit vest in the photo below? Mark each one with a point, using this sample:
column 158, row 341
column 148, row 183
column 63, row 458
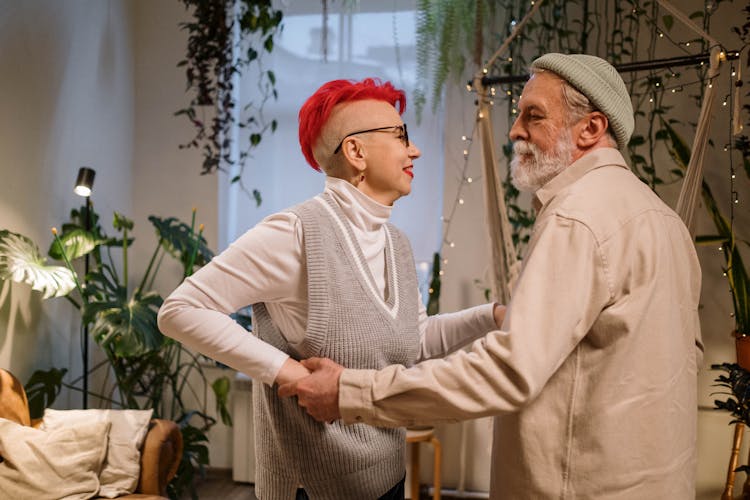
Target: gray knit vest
column 350, row 324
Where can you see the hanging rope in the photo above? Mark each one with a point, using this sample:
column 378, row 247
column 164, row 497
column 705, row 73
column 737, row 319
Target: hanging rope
column 691, row 185
column 504, row 266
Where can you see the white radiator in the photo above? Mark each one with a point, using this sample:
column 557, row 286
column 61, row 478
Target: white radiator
column 243, row 446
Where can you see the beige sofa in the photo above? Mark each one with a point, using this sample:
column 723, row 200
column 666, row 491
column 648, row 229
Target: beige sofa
column 160, row 454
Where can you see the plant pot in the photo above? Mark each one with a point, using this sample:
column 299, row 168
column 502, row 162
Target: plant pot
column 742, row 345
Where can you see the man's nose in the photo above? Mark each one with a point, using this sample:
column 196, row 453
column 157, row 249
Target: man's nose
column 517, row 132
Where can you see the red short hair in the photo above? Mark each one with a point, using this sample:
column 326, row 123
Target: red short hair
column 317, row 109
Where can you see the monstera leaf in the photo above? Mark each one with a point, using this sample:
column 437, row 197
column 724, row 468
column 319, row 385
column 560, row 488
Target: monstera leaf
column 73, row 244
column 127, row 326
column 21, row 261
column 180, row 241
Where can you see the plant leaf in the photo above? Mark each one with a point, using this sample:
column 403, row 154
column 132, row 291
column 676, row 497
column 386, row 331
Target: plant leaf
column 73, row 244
column 21, row 261
column 179, row 241
column 221, row 390
column 129, row 327
column 42, row 389
column 668, row 22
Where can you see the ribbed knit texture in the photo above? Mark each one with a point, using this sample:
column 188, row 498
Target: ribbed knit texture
column 601, row 83
column 352, row 326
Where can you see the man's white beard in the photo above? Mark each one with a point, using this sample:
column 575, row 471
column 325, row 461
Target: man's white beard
column 529, row 173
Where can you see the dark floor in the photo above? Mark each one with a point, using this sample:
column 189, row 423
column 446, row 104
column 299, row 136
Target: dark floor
column 218, row 485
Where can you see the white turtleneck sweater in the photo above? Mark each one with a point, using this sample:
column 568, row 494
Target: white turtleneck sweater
column 267, row 264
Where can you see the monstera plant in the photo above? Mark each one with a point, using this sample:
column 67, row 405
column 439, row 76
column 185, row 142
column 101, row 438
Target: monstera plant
column 148, row 369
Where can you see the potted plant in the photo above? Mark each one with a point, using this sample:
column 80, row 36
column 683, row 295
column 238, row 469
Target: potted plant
column 149, row 370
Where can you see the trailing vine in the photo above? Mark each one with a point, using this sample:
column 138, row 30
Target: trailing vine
column 212, row 61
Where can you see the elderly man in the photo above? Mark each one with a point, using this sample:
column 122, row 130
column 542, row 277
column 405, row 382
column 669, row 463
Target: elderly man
column 592, row 376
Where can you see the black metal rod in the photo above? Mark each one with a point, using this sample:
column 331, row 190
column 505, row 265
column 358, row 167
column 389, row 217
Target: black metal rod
column 632, row 67
column 86, row 325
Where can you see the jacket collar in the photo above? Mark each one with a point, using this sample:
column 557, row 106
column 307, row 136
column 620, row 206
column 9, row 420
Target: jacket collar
column 599, row 157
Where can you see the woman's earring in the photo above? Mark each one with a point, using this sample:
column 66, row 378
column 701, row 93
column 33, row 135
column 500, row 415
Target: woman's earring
column 362, row 178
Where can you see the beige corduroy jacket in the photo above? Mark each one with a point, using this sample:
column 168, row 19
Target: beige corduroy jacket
column 592, row 380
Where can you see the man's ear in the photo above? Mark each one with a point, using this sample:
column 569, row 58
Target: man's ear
column 355, row 153
column 591, row 129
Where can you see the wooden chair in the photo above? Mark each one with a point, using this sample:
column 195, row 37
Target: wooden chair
column 739, row 430
column 414, row 436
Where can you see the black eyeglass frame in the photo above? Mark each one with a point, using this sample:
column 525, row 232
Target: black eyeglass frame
column 402, row 127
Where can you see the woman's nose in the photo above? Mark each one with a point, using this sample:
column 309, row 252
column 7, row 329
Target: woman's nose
column 414, row 151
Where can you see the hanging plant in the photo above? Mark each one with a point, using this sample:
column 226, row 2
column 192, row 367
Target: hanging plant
column 212, row 61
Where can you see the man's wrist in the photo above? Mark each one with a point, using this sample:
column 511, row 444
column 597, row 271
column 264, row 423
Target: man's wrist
column 355, row 395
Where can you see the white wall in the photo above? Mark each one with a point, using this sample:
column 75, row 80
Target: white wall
column 166, row 180
column 66, row 96
column 91, row 83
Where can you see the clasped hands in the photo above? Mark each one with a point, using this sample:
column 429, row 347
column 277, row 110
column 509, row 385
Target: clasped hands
column 317, row 392
column 315, row 381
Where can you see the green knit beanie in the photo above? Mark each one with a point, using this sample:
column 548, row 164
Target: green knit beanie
column 601, row 83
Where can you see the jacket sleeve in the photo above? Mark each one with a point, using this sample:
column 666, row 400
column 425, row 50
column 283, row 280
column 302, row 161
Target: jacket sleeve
column 562, row 288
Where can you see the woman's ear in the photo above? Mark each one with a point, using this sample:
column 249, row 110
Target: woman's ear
column 355, row 153
column 591, row 129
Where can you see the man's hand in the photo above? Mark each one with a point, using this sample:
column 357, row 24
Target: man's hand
column 318, row 393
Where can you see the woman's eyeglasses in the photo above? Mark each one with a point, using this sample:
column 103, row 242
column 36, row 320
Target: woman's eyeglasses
column 403, row 134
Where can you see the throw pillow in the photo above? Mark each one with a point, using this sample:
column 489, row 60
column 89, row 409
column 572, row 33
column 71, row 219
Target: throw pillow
column 56, row 464
column 122, row 465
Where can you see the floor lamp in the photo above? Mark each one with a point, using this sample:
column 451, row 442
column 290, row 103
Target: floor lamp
column 84, row 185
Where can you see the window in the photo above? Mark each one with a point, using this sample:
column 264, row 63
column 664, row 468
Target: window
column 372, row 38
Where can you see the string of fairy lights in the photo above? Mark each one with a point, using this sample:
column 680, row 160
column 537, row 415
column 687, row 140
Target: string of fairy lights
column 464, row 180
column 733, row 194
column 660, row 86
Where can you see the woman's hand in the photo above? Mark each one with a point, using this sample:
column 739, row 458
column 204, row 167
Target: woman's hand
column 291, row 371
column 499, row 313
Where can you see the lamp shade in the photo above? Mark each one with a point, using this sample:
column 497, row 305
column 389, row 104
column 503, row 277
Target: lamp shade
column 85, row 181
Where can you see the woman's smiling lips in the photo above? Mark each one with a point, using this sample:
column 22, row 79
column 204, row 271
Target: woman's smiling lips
column 408, row 171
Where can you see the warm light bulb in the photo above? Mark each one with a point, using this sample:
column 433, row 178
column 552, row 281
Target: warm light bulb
column 82, row 191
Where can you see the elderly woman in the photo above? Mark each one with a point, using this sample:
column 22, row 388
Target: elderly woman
column 329, row 277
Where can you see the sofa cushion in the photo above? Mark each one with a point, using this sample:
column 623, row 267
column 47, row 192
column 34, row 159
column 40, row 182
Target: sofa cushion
column 121, row 470
column 56, row 464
